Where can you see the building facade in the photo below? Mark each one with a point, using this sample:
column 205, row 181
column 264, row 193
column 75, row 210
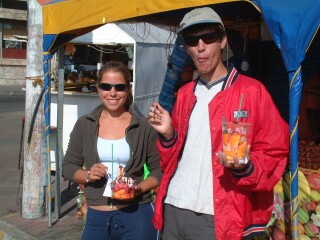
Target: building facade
column 13, row 44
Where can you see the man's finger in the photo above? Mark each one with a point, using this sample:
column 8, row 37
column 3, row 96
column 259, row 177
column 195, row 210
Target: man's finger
column 236, row 162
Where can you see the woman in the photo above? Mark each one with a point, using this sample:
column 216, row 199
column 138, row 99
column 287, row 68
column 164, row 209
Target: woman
column 114, row 138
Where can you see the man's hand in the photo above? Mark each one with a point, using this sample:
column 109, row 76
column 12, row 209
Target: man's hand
column 160, row 120
column 236, row 163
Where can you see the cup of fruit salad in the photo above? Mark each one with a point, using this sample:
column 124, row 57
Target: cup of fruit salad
column 123, row 188
column 235, row 140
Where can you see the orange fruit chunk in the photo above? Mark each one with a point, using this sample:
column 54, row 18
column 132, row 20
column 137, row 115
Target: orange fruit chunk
column 121, row 191
column 116, row 195
column 229, row 155
column 243, row 147
column 230, row 159
column 235, row 139
column 226, row 138
column 126, row 196
column 240, row 154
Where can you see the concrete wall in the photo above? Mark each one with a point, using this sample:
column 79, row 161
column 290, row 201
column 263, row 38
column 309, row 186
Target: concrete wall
column 13, row 14
column 12, row 71
column 12, row 76
column 13, row 61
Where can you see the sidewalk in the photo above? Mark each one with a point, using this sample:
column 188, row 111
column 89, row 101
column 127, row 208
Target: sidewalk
column 69, row 226
column 12, row 224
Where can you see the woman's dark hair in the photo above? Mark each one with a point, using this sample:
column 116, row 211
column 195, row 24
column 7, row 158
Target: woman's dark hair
column 217, row 27
column 119, row 67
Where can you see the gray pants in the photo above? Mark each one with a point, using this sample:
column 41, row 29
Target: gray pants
column 182, row 224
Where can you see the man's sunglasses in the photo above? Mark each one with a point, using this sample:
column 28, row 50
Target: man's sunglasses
column 118, row 87
column 207, row 38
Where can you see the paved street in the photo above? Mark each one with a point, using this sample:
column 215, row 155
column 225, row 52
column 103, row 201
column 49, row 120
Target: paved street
column 12, row 224
column 11, row 114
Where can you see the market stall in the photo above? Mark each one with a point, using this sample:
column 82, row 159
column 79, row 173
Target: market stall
column 293, row 25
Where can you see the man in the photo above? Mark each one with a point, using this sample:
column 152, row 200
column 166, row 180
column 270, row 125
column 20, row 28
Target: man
column 309, row 120
column 202, row 195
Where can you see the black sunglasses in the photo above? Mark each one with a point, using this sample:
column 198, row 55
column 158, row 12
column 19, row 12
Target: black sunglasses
column 118, row 87
column 207, row 38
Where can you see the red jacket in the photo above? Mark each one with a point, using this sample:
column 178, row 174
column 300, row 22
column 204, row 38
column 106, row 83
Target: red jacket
column 243, row 200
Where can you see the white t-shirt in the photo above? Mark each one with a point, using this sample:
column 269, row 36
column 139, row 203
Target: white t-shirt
column 192, row 185
column 113, row 153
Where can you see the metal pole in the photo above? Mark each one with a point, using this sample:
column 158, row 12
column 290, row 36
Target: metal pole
column 47, row 88
column 59, row 147
column 49, row 201
column 294, row 102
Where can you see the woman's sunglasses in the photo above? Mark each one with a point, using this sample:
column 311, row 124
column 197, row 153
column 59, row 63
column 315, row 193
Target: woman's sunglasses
column 207, row 38
column 118, row 87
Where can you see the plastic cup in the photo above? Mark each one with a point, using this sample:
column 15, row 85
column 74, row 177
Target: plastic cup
column 235, row 140
column 122, row 191
column 123, row 188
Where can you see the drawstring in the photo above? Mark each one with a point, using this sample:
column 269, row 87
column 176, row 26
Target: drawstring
column 117, row 223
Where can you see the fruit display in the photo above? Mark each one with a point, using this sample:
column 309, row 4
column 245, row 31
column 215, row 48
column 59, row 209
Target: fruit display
column 235, row 140
column 123, row 188
column 308, row 206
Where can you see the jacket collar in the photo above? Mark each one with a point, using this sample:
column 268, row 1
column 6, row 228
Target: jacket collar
column 228, row 81
column 231, row 77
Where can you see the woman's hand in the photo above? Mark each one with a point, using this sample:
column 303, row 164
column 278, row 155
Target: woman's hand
column 97, row 171
column 146, row 185
column 160, row 120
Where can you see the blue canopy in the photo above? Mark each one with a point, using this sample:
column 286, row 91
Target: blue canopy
column 293, row 25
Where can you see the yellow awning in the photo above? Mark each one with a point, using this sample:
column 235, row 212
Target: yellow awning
column 68, row 16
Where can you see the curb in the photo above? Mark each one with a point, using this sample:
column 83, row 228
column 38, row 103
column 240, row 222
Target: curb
column 10, row 232
column 12, row 90
column 12, row 93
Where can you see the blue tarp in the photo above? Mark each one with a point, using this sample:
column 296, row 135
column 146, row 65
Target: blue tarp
column 293, row 24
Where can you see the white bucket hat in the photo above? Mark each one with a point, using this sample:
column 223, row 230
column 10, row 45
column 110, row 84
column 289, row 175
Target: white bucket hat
column 198, row 16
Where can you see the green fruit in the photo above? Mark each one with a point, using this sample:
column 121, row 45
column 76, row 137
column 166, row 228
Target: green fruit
column 318, row 209
column 304, row 237
column 303, row 216
column 287, row 190
column 303, row 187
column 315, row 195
